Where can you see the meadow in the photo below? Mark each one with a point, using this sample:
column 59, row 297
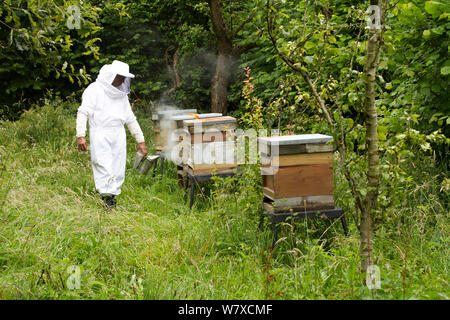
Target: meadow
column 153, row 247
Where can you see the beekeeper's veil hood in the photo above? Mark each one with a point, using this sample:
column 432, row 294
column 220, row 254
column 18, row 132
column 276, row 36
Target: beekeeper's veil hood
column 109, row 72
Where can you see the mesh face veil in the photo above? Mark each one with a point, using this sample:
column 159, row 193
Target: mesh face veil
column 125, row 86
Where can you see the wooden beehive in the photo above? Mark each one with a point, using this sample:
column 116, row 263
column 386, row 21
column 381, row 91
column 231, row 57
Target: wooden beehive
column 161, row 127
column 211, row 145
column 297, row 172
column 177, row 120
column 175, row 132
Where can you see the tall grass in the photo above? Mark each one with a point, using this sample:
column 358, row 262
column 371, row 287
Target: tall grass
column 153, row 247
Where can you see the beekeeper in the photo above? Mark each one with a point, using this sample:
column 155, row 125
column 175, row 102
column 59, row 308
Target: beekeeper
column 105, row 103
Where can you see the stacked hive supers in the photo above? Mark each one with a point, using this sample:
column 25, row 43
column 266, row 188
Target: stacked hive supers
column 175, row 133
column 161, row 126
column 211, row 145
column 168, row 121
column 297, row 172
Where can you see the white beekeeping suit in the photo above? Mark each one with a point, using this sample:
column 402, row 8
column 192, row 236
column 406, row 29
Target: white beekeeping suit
column 108, row 109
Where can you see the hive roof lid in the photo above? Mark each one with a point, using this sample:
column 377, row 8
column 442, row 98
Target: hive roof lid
column 210, row 121
column 296, row 139
column 193, row 117
column 165, row 113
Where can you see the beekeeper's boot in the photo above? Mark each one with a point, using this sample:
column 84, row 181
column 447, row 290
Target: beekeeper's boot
column 110, row 201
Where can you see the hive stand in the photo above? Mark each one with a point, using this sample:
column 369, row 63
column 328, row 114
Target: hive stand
column 161, row 162
column 197, row 178
column 295, row 216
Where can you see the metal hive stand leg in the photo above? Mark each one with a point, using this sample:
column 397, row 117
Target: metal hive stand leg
column 154, row 168
column 162, row 165
column 192, row 185
column 344, row 224
column 275, row 235
column 192, row 178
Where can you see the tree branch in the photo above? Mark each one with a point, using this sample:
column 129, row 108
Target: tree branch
column 172, row 70
column 242, row 25
column 218, row 21
column 301, row 70
column 238, row 50
column 320, row 102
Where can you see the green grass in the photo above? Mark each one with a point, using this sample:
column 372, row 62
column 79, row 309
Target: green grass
column 153, row 247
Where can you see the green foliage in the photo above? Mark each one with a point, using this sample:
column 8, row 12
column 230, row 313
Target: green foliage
column 5, row 177
column 416, row 62
column 134, row 39
column 149, row 37
column 43, row 45
column 196, row 66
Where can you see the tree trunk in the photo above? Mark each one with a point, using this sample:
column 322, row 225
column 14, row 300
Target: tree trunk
column 370, row 202
column 227, row 52
column 221, row 79
column 220, row 82
column 172, row 69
